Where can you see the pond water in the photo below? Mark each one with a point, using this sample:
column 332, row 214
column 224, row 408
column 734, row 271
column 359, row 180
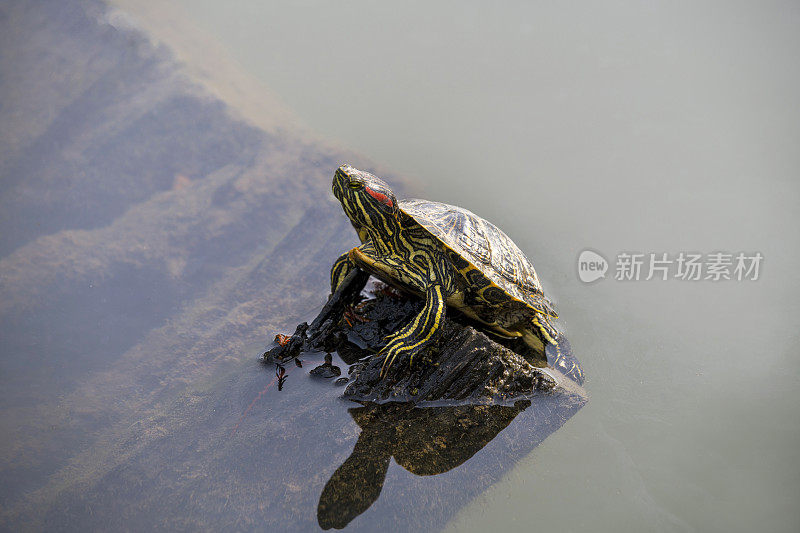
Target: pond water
column 627, row 127
column 631, row 128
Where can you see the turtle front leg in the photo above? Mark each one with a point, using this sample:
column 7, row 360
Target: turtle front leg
column 419, row 332
column 340, row 269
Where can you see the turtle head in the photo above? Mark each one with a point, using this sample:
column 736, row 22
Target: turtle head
column 367, row 200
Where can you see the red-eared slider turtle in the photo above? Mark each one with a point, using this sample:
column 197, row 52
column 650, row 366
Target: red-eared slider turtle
column 448, row 255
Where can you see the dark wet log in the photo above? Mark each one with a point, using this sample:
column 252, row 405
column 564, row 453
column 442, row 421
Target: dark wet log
column 324, row 327
column 464, row 365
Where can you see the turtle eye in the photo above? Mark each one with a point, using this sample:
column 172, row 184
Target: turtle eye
column 354, row 185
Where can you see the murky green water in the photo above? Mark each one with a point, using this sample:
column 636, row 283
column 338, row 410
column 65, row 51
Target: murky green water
column 624, row 127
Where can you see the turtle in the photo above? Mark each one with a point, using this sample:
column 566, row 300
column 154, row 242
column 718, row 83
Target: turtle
column 447, row 255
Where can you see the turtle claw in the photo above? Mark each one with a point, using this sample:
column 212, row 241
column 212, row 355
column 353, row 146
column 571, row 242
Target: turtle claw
column 394, row 349
column 390, row 353
column 384, row 367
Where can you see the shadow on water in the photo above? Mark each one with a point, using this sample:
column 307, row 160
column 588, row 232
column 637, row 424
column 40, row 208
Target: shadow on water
column 424, row 441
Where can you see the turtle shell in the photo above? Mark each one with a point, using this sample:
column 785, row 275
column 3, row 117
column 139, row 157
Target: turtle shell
column 484, row 246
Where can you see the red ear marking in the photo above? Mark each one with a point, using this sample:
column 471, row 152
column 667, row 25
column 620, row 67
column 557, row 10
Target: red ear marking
column 382, row 198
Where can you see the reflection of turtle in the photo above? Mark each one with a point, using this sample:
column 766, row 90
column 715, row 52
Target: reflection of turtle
column 448, row 255
column 424, row 441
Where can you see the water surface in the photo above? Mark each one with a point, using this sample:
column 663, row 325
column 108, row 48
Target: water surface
column 655, row 127
column 134, row 308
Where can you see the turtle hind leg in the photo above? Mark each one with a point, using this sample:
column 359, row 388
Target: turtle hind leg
column 539, row 339
column 417, row 334
column 534, row 342
column 541, row 334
